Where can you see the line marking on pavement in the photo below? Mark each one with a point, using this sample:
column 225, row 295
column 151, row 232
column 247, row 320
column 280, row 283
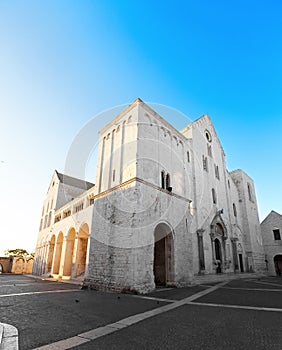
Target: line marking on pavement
column 43, row 292
column 17, row 284
column 255, row 289
column 126, row 322
column 271, row 284
column 154, row 298
column 256, row 308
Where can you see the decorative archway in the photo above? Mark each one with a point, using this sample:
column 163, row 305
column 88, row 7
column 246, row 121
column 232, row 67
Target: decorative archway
column 278, row 264
column 163, row 255
column 218, row 236
column 81, row 253
column 58, row 253
column 69, row 253
column 50, row 253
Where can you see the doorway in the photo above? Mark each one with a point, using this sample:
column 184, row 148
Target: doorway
column 241, row 262
column 163, row 255
column 278, row 264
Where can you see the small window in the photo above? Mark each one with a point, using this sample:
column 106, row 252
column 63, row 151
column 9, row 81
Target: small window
column 277, row 236
column 114, row 175
column 234, row 210
column 163, row 179
column 167, row 181
column 91, row 201
column 208, row 136
column 228, row 182
column 209, row 150
column 216, row 170
column 213, row 196
column 205, row 163
column 188, row 156
column 249, row 192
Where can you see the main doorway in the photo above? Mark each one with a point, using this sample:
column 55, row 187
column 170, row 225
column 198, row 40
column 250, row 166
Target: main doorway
column 163, row 255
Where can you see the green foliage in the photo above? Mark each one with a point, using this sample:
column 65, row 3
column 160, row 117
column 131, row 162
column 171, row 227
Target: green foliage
column 16, row 252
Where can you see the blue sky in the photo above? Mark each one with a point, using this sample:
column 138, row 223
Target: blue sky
column 63, row 62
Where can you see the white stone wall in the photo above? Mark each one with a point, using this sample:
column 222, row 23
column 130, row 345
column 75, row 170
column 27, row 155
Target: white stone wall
column 122, row 241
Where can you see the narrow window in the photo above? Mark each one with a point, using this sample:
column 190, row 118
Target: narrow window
column 228, row 182
column 277, row 235
column 188, row 156
column 163, row 179
column 216, row 170
column 114, row 175
column 234, row 210
column 249, row 192
column 209, row 150
column 205, row 163
column 167, row 181
column 213, row 196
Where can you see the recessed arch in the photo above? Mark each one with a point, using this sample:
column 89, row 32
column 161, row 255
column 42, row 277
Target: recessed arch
column 69, row 252
column 51, row 253
column 81, row 253
column 58, row 253
column 163, row 255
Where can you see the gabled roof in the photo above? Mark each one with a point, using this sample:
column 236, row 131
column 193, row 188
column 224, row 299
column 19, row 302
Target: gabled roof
column 273, row 212
column 73, row 181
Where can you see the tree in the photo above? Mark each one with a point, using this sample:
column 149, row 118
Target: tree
column 16, row 252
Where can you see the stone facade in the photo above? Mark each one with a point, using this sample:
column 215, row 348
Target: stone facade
column 271, row 229
column 164, row 209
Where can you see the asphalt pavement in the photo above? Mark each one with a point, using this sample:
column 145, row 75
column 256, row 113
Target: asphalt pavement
column 241, row 313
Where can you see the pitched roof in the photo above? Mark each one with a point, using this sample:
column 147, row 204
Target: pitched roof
column 73, row 181
column 273, row 212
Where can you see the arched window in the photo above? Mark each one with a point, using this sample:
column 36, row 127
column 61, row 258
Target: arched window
column 213, row 196
column 234, row 210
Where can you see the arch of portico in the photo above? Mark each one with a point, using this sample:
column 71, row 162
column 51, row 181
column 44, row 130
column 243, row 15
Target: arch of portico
column 81, row 251
column 58, row 253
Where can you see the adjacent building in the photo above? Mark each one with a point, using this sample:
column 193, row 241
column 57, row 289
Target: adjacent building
column 163, row 210
column 271, row 228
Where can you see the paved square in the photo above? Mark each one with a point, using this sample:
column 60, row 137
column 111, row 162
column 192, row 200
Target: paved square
column 241, row 313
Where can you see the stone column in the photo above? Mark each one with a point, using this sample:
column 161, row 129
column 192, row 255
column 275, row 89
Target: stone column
column 74, row 255
column 63, row 255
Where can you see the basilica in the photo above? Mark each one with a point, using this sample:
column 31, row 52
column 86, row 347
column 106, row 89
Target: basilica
column 164, row 210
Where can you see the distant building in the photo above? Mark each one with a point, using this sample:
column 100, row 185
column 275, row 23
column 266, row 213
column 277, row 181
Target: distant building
column 271, row 229
column 16, row 264
column 164, row 210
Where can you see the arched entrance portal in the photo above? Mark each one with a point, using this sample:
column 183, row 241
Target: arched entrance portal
column 278, row 264
column 50, row 253
column 58, row 253
column 81, row 255
column 69, row 253
column 163, row 255
column 218, row 255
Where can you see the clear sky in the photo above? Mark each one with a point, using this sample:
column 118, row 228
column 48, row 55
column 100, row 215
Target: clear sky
column 64, row 61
